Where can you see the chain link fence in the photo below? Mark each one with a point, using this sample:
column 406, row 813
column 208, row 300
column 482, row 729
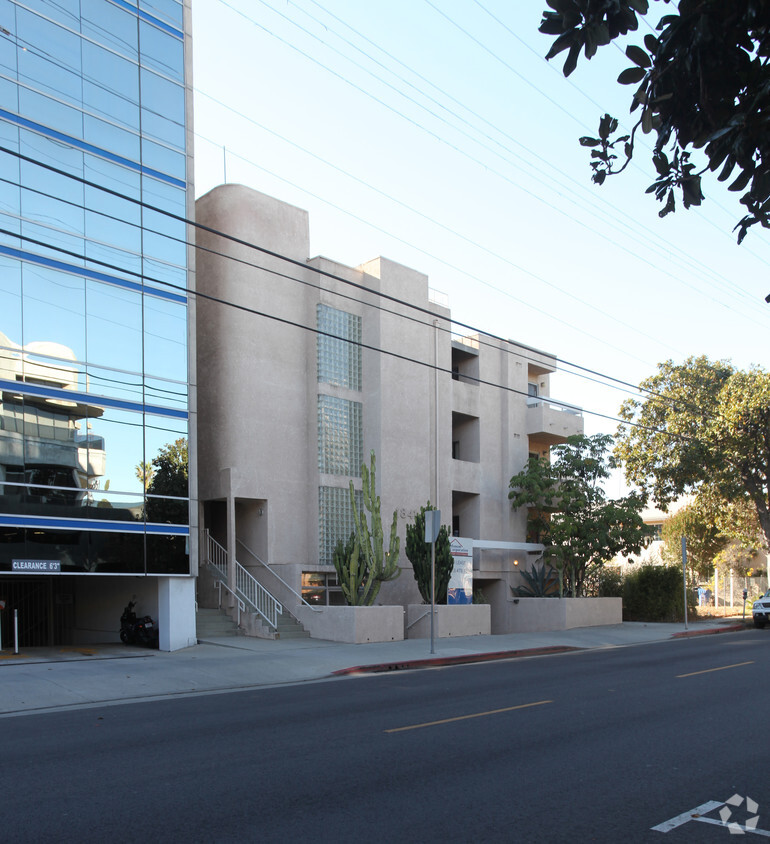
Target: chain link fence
column 724, row 593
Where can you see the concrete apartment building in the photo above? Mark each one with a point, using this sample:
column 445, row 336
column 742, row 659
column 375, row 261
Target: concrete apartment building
column 96, row 340
column 318, row 365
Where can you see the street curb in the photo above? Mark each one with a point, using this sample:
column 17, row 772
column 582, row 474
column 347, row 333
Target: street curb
column 464, row 659
column 686, row 634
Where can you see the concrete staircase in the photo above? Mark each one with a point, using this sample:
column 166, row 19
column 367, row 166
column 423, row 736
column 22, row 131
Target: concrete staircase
column 211, row 624
column 290, row 628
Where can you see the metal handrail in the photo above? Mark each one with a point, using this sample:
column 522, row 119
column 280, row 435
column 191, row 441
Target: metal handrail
column 218, row 584
column 278, row 577
column 419, row 618
column 247, row 587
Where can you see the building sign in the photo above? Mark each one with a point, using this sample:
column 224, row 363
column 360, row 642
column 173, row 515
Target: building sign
column 36, row 566
column 460, row 589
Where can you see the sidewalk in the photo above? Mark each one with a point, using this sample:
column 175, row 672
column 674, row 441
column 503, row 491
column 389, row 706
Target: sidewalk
column 43, row 679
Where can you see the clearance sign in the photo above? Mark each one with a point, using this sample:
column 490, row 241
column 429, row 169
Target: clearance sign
column 36, row 566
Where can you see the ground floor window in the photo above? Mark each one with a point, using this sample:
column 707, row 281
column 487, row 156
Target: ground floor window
column 322, row 590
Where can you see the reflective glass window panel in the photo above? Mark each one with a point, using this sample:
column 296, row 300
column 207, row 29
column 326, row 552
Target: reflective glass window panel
column 167, row 554
column 163, row 159
column 44, row 71
column 114, row 383
column 11, row 447
column 51, row 241
column 110, row 137
column 168, row 487
column 114, row 506
column 70, row 548
column 115, row 244
column 340, row 436
column 7, row 44
column 169, row 11
column 335, row 519
column 62, row 11
column 110, row 25
column 61, row 225
column 113, row 176
column 339, row 356
column 159, row 127
column 10, row 311
column 162, row 96
column 53, row 43
column 54, row 310
column 165, row 339
column 164, row 238
column 51, row 112
column 9, row 90
column 158, row 272
column 113, row 335
column 115, row 552
column 122, row 437
column 161, row 51
column 103, row 98
column 13, row 546
column 47, row 182
column 100, row 64
column 165, row 393
column 169, row 198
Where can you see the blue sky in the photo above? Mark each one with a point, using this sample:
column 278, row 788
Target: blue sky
column 435, row 134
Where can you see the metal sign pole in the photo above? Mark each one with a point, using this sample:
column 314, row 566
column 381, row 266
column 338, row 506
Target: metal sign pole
column 15, row 631
column 684, row 577
column 432, row 527
column 432, row 592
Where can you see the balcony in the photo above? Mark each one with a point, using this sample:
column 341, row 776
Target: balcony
column 552, row 422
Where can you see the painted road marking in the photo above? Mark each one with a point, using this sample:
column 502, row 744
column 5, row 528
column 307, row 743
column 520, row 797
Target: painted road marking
column 673, row 823
column 735, row 826
column 721, row 668
column 466, row 717
column 699, row 812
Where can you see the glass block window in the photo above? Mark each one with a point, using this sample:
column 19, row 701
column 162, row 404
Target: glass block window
column 340, row 436
column 339, row 355
column 335, row 519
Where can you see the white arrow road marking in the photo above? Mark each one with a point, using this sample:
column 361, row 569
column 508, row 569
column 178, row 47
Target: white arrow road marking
column 667, row 826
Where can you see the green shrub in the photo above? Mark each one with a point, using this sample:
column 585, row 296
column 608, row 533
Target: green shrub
column 654, row 593
column 539, row 583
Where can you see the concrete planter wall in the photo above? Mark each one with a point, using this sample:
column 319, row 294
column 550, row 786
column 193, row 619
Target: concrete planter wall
column 535, row 615
column 451, row 620
column 353, row 624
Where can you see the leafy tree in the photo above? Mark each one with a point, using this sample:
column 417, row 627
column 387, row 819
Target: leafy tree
column 144, row 472
column 704, row 540
column 418, row 552
column 169, row 478
column 704, row 427
column 583, row 526
column 703, row 84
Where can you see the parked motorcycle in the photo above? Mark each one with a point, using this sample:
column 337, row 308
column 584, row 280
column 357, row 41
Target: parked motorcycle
column 137, row 631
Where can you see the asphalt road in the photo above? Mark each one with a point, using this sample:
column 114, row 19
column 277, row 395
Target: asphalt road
column 595, row 746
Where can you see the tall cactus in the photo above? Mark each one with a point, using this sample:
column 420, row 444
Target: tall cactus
column 373, row 564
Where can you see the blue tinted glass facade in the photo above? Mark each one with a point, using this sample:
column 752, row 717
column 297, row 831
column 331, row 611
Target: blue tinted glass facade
column 93, row 286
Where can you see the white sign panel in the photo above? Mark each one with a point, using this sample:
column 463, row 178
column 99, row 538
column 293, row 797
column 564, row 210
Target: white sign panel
column 461, row 582
column 36, row 566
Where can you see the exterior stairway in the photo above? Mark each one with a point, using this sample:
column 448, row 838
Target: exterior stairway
column 290, row 628
column 211, row 624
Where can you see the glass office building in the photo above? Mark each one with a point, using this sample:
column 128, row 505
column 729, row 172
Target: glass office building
column 95, row 316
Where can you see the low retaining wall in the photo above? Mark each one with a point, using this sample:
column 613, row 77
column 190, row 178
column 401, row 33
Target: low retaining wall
column 538, row 615
column 354, row 625
column 451, row 620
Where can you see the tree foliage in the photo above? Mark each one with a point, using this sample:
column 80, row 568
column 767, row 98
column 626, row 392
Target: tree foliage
column 704, row 427
column 169, row 477
column 703, row 83
column 580, row 525
column 704, row 540
column 418, row 552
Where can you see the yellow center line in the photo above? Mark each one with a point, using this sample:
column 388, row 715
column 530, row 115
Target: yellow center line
column 465, row 717
column 721, row 668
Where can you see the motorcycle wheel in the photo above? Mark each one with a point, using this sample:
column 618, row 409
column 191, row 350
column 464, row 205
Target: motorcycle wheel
column 125, row 637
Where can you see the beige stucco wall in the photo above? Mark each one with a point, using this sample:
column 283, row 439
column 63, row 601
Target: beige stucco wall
column 257, row 406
